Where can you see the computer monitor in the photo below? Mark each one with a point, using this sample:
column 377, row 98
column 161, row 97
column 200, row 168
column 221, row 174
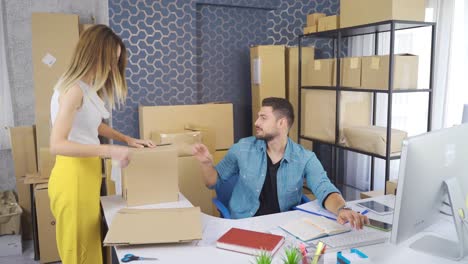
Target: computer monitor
column 430, row 165
column 465, row 114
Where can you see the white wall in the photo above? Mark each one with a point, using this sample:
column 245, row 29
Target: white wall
column 17, row 18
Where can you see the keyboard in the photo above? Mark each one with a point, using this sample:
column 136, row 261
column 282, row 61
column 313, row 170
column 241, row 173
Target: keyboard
column 354, row 239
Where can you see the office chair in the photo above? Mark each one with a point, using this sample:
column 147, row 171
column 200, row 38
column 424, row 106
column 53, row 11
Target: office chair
column 224, row 192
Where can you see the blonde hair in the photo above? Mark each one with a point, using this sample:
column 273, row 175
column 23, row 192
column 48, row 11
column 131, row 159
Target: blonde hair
column 96, row 55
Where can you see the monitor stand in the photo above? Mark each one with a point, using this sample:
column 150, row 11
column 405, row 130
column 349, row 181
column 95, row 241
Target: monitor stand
column 441, row 247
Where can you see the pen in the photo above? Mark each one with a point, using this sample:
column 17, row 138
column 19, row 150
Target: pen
column 365, row 212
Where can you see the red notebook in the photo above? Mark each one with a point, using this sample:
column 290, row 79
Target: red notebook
column 249, row 242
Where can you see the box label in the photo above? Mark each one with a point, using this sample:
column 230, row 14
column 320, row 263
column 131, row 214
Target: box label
column 354, row 63
column 317, row 65
column 49, row 60
column 375, row 63
column 257, row 71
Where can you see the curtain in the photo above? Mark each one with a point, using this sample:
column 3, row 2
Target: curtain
column 410, row 110
column 6, row 109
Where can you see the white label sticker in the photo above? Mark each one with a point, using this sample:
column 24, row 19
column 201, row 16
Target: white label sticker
column 257, row 71
column 317, row 65
column 49, row 60
column 354, row 63
column 375, row 63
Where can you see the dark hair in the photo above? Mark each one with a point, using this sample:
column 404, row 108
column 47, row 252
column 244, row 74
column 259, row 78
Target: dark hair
column 282, row 107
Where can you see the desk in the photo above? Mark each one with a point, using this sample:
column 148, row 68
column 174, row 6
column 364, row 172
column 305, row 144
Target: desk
column 205, row 251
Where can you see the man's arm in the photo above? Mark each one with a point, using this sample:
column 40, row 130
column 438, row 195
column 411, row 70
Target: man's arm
column 329, row 196
column 210, row 175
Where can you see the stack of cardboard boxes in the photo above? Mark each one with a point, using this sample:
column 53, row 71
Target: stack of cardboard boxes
column 54, row 37
column 10, row 223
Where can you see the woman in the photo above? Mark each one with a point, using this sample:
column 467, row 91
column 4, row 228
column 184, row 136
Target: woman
column 97, row 70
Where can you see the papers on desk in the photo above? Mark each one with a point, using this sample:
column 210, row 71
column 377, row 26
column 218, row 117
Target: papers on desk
column 152, row 226
column 312, row 227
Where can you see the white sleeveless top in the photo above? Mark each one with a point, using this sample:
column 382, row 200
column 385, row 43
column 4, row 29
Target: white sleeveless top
column 88, row 117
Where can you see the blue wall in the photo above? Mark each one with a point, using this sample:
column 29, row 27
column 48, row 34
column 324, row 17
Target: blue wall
column 196, row 51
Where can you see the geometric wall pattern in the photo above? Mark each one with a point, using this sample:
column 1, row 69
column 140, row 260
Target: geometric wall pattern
column 195, row 51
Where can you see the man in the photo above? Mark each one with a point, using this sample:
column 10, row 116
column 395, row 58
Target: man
column 271, row 167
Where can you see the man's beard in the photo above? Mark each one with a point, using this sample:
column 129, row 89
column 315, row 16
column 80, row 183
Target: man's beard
column 267, row 137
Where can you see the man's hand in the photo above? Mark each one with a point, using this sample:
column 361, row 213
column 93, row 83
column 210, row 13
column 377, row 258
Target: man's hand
column 355, row 219
column 202, row 154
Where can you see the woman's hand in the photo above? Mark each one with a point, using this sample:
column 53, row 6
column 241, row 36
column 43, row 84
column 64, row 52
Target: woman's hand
column 140, row 143
column 120, row 154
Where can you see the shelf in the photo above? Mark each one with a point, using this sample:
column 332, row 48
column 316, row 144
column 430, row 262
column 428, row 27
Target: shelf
column 393, row 156
column 351, row 89
column 367, row 29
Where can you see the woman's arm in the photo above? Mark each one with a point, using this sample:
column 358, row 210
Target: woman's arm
column 110, row 133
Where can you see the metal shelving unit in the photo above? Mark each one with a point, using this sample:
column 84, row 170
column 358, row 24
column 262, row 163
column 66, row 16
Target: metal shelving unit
column 337, row 36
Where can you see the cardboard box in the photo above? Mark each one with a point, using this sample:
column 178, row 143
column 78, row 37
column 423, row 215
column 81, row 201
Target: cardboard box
column 154, row 226
column 319, row 108
column 218, row 156
column 176, row 117
column 54, row 37
column 23, row 150
column 375, row 72
column 292, row 59
column 310, row 29
column 308, row 193
column 11, row 245
column 24, row 200
column 312, row 19
column 360, row 12
column 328, row 23
column 46, row 226
column 151, row 177
column 351, row 72
column 268, row 75
column 208, row 136
column 371, row 194
column 46, row 162
column 391, row 187
column 320, row 73
column 373, row 139
column 10, row 218
column 307, row 144
column 192, row 186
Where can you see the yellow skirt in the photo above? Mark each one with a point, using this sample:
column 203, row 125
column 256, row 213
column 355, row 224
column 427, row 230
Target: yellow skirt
column 74, row 191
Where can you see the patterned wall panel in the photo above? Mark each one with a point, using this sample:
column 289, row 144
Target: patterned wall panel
column 225, row 33
column 162, row 38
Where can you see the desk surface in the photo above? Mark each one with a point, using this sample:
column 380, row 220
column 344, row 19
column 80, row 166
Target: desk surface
column 205, row 250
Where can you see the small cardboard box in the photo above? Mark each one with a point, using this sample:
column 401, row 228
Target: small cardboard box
column 268, row 75
column 10, row 218
column 371, row 194
column 151, row 177
column 391, row 187
column 11, row 245
column 312, row 19
column 360, row 12
column 320, row 73
column 373, row 139
column 310, row 29
column 375, row 72
column 23, row 150
column 319, row 108
column 46, row 162
column 208, row 135
column 328, row 23
column 154, row 226
column 351, row 72
column 218, row 116
column 46, row 225
column 292, row 59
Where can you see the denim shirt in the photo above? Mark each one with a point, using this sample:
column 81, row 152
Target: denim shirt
column 247, row 160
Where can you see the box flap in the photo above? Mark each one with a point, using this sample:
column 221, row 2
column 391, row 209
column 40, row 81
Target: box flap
column 42, row 186
column 154, row 226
